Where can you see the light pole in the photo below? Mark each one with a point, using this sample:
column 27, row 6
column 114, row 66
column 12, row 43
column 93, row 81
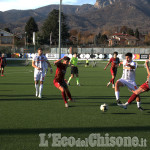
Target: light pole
column 60, row 28
column 50, row 39
column 25, row 40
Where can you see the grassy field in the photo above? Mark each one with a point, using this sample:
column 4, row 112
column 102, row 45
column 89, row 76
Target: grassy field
column 23, row 117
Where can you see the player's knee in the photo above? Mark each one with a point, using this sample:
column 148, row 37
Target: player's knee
column 36, row 82
column 117, row 83
column 61, row 89
column 136, row 92
column 138, row 99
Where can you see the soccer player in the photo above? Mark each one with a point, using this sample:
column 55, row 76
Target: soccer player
column 114, row 65
column 143, row 88
column 38, row 63
column 87, row 63
column 74, row 69
column 3, row 63
column 128, row 78
column 59, row 80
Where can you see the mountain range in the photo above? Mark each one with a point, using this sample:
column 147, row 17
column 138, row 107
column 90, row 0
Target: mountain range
column 104, row 15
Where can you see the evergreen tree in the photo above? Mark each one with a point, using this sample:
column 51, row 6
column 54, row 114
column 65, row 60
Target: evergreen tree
column 51, row 24
column 130, row 31
column 104, row 39
column 31, row 27
column 137, row 34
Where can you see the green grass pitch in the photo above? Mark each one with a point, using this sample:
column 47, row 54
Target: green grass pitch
column 23, row 117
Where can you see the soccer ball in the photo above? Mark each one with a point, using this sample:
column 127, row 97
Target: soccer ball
column 104, row 107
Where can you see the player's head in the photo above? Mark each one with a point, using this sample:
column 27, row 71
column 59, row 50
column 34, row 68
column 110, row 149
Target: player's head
column 115, row 54
column 40, row 51
column 3, row 55
column 75, row 54
column 128, row 57
column 66, row 60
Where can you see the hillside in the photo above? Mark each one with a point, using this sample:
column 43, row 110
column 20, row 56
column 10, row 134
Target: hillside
column 105, row 14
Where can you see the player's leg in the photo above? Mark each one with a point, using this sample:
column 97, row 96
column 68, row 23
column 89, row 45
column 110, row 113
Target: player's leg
column 36, row 88
column 138, row 101
column 118, row 84
column 68, row 94
column 133, row 87
column 70, row 78
column 112, row 79
column 77, row 79
column 134, row 96
column 61, row 88
column 36, row 79
column 114, row 76
column 77, row 76
column 2, row 71
column 42, row 77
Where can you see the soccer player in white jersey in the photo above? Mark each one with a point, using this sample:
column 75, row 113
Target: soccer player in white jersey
column 38, row 63
column 128, row 78
column 143, row 88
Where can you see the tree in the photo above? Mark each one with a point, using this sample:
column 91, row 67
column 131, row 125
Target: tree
column 51, row 24
column 137, row 34
column 147, row 39
column 31, row 27
column 104, row 39
column 130, row 31
column 97, row 39
column 124, row 29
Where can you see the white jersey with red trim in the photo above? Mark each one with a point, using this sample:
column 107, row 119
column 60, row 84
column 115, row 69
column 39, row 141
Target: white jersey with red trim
column 40, row 62
column 128, row 73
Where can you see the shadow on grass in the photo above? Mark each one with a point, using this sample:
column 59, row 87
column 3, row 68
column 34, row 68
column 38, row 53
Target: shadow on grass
column 76, row 130
column 123, row 113
column 29, row 98
column 13, row 84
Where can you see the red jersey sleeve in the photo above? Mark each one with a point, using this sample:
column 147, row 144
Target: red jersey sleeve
column 110, row 60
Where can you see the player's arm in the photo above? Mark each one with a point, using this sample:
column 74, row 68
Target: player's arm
column 58, row 61
column 49, row 65
column 71, row 64
column 121, row 63
column 147, row 67
column 34, row 66
column 107, row 65
column 130, row 66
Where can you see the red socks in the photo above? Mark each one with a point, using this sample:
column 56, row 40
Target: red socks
column 64, row 97
column 132, row 98
column 69, row 95
column 112, row 81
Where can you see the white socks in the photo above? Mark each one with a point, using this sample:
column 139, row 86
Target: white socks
column 117, row 95
column 138, row 104
column 40, row 90
column 37, row 89
column 126, row 103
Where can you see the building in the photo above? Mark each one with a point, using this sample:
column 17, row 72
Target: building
column 7, row 39
column 120, row 39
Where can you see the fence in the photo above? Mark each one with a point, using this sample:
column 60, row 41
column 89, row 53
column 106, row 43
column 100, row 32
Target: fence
column 102, row 50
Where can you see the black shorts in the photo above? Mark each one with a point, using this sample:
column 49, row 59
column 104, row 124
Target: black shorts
column 2, row 66
column 74, row 70
column 62, row 83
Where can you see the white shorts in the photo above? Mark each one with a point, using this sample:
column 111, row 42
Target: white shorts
column 39, row 76
column 130, row 84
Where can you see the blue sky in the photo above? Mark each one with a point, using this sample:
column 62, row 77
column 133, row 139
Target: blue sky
column 32, row 4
